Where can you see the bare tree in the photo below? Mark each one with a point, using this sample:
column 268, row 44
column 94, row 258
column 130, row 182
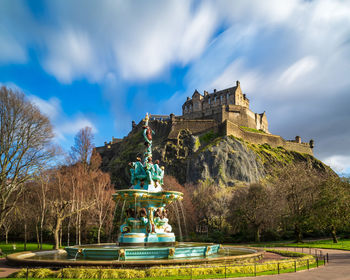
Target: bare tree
column 25, row 135
column 83, row 145
column 61, row 197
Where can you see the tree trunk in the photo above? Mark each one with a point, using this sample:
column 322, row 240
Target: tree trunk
column 298, row 234
column 334, row 234
column 37, row 235
column 41, row 231
column 61, row 237
column 56, row 233
column 257, row 235
column 68, row 232
column 79, row 228
column 76, row 229
column 25, row 236
column 99, row 235
column 7, row 236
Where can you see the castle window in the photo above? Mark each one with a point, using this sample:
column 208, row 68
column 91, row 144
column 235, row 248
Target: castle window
column 209, row 100
column 215, row 99
column 220, row 98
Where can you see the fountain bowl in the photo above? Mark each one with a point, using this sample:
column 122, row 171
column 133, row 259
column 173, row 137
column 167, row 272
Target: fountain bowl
column 182, row 255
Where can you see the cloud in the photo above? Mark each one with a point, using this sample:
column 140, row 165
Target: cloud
column 73, row 126
column 51, row 108
column 339, row 164
column 292, row 57
column 71, row 56
column 63, row 125
column 14, row 41
column 298, row 70
column 248, row 77
column 11, row 51
column 136, row 40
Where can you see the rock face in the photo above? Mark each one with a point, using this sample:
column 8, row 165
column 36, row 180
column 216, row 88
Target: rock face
column 225, row 160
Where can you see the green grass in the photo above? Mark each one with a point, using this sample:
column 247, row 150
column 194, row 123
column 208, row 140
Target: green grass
column 252, row 129
column 343, row 244
column 8, row 248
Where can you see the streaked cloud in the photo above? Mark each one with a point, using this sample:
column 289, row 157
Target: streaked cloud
column 63, row 125
column 298, row 70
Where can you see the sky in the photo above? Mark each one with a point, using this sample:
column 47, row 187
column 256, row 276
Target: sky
column 104, row 63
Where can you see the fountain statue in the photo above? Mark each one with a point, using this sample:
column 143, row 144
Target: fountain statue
column 146, row 221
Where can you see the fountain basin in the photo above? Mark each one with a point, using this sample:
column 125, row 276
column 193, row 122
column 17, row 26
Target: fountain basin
column 141, row 253
column 60, row 258
column 145, row 198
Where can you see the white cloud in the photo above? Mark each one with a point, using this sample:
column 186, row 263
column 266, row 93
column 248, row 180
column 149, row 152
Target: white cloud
column 298, row 70
column 339, row 164
column 71, row 56
column 135, row 40
column 72, row 127
column 63, row 125
column 197, row 33
column 249, row 78
column 51, row 108
column 11, row 51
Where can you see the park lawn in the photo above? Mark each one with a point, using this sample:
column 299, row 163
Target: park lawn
column 343, row 244
column 8, row 248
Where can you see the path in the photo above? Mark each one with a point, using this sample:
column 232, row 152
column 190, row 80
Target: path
column 338, row 268
column 6, row 270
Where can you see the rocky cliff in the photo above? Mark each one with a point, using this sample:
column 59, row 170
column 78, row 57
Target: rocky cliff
column 225, row 160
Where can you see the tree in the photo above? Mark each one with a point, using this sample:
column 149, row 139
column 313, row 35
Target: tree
column 297, row 186
column 63, row 193
column 25, row 136
column 332, row 208
column 212, row 204
column 255, row 206
column 103, row 191
column 83, row 145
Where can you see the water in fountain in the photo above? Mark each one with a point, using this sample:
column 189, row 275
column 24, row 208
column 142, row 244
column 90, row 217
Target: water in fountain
column 183, row 216
column 178, row 220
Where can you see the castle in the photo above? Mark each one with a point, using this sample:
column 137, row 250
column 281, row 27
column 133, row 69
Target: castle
column 228, row 104
column 224, row 112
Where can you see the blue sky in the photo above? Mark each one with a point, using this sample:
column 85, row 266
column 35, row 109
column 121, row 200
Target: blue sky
column 106, row 63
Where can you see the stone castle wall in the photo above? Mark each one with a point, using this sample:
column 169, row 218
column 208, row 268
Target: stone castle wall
column 195, row 126
column 229, row 128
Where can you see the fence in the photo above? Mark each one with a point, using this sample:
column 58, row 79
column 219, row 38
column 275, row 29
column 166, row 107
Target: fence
column 187, row 272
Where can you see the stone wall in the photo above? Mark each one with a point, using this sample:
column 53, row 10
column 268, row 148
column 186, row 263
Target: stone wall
column 229, row 128
column 195, row 126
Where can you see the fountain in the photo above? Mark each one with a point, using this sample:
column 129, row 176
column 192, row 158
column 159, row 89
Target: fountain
column 145, row 234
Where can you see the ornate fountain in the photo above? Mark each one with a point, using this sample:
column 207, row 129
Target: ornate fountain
column 146, row 221
column 146, row 237
column 145, row 232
